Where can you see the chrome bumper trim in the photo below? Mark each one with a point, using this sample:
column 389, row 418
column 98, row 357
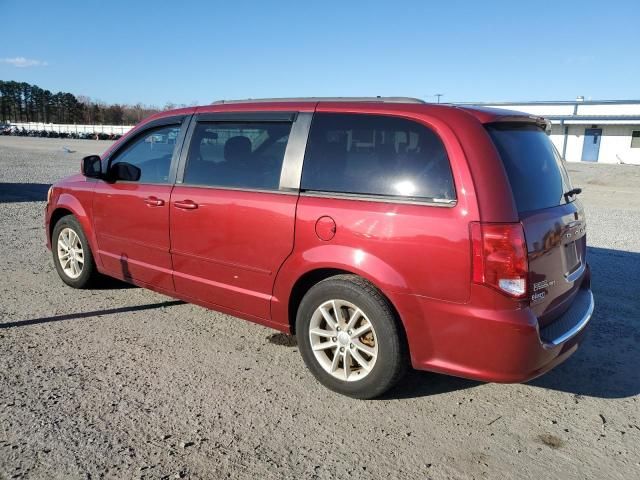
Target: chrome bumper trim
column 577, row 327
column 575, row 275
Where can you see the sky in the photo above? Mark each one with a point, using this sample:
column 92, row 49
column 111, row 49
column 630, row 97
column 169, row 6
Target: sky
column 200, row 51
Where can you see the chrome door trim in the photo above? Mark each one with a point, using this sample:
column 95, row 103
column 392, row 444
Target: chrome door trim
column 439, row 202
column 291, row 172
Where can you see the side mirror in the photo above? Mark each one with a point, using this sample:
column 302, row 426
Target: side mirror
column 91, row 166
column 124, row 171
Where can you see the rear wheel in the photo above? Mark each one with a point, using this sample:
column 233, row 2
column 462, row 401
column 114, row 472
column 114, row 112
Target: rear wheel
column 72, row 256
column 349, row 337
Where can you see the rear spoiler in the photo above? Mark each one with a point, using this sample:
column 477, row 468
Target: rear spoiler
column 530, row 119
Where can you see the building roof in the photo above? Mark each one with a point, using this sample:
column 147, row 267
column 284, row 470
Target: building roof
column 618, row 112
column 555, row 102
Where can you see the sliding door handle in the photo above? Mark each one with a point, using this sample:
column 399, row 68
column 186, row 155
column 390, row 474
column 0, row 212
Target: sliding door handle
column 186, row 204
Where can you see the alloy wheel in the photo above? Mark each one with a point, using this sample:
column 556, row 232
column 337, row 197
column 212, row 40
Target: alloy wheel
column 70, row 253
column 343, row 340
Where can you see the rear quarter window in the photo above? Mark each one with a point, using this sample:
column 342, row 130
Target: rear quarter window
column 535, row 170
column 376, row 155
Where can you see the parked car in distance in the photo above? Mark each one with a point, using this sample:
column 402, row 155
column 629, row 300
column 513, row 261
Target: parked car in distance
column 383, row 232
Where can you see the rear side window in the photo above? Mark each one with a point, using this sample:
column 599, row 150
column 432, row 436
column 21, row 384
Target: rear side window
column 537, row 176
column 376, row 155
column 237, row 155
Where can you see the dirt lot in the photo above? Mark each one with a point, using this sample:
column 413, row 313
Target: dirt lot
column 125, row 383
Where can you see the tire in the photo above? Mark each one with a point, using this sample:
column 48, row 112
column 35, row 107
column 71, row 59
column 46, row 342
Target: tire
column 373, row 348
column 88, row 274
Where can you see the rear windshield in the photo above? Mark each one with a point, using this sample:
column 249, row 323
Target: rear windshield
column 536, row 173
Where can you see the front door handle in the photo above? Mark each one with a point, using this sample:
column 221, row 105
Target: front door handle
column 186, row 204
column 154, row 201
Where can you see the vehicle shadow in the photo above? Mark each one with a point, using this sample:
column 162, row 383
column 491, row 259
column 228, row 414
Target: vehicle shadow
column 414, row 384
column 77, row 316
column 110, row 283
column 426, row 384
column 607, row 363
column 23, row 192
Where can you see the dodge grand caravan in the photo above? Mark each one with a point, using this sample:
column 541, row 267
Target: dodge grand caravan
column 382, row 232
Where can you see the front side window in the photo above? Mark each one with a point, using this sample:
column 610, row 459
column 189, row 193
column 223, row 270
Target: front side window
column 376, row 155
column 151, row 153
column 635, row 139
column 237, row 154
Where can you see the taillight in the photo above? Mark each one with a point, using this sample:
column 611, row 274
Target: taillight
column 499, row 257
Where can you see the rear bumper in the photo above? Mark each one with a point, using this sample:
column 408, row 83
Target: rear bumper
column 491, row 345
column 571, row 323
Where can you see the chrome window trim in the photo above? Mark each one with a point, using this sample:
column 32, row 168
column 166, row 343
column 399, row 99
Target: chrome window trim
column 133, row 182
column 291, row 173
column 442, row 203
column 236, row 189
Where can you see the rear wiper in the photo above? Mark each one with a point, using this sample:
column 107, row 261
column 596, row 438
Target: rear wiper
column 572, row 192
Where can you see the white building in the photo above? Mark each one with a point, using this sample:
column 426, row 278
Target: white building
column 605, row 131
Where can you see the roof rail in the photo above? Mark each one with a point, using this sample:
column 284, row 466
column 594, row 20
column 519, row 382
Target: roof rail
column 325, row 99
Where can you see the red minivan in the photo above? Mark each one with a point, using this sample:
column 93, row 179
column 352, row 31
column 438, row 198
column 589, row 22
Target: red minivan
column 383, row 232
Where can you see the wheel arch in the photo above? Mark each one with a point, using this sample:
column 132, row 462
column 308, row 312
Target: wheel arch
column 56, row 215
column 68, row 204
column 303, row 284
column 312, row 277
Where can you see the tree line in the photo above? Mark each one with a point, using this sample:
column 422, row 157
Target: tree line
column 23, row 102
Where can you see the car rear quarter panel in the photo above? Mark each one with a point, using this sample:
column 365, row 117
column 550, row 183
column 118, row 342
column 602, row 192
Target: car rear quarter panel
column 407, row 249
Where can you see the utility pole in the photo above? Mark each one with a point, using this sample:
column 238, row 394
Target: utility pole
column 438, row 95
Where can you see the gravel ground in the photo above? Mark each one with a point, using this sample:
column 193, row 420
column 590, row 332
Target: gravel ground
column 125, row 383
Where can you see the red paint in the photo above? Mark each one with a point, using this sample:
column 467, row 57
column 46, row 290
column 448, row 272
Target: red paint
column 243, row 252
column 326, row 228
column 227, row 251
column 132, row 234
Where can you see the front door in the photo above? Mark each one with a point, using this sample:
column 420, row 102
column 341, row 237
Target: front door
column 231, row 224
column 591, row 146
column 131, row 217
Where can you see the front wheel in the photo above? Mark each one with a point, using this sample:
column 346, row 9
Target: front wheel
column 349, row 337
column 72, row 256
